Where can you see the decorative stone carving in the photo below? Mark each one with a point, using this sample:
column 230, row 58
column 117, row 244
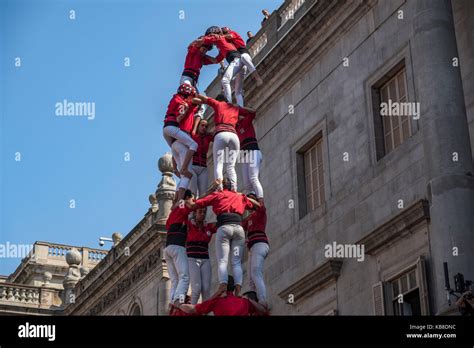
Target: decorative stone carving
column 47, row 276
column 153, row 202
column 149, row 263
column 116, row 237
column 84, row 271
column 73, row 259
column 166, row 188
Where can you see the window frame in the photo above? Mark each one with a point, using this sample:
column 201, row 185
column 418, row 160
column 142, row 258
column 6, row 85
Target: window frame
column 380, row 75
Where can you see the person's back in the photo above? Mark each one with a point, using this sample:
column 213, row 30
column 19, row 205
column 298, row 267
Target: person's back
column 230, row 305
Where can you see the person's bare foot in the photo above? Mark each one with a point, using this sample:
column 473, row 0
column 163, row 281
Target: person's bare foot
column 258, row 80
column 238, row 289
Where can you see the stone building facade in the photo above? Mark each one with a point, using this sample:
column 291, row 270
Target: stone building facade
column 334, row 169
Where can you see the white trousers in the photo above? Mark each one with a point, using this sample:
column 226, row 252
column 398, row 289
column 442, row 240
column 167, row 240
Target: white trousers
column 247, row 68
column 224, row 160
column 230, row 72
column 258, row 253
column 178, row 271
column 200, row 275
column 199, row 181
column 250, row 173
column 230, row 239
column 171, row 133
column 178, row 150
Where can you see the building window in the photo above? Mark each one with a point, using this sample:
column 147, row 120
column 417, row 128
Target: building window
column 135, row 310
column 311, row 176
column 406, row 294
column 391, row 130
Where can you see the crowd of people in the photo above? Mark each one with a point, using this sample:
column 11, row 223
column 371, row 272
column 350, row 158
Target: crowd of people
column 241, row 216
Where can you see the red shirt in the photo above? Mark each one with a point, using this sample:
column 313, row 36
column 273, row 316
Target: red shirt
column 225, row 201
column 195, row 60
column 227, row 306
column 237, row 39
column 226, row 115
column 200, row 156
column 178, row 215
column 223, row 45
column 178, row 106
column 187, row 123
column 176, row 312
column 255, row 225
column 246, row 131
column 197, row 242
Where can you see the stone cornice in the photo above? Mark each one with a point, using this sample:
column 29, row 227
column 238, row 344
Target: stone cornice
column 298, row 50
column 151, row 262
column 326, row 273
column 396, row 228
column 116, row 252
column 115, row 275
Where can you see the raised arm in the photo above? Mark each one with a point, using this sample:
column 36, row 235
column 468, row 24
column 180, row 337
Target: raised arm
column 197, row 119
column 200, row 99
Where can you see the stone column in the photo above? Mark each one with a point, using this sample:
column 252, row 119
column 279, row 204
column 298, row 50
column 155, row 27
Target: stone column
column 73, row 259
column 445, row 135
column 166, row 188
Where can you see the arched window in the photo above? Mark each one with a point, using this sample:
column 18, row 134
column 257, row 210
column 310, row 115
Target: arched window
column 135, row 310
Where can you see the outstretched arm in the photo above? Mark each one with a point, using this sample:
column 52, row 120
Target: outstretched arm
column 257, row 307
column 200, row 99
column 254, row 202
column 188, row 308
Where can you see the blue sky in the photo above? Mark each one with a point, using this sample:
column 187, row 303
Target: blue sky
column 81, row 60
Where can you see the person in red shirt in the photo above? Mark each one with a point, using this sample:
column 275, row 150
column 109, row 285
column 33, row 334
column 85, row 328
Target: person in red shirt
column 226, row 142
column 257, row 243
column 197, row 248
column 178, row 124
column 229, row 51
column 246, row 59
column 229, row 207
column 175, row 250
column 195, row 59
column 250, row 154
column 228, row 305
column 199, row 181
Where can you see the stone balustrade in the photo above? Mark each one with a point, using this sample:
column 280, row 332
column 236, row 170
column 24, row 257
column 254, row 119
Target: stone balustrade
column 21, row 294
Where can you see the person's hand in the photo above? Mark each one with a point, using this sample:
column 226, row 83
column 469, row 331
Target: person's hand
column 186, row 173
